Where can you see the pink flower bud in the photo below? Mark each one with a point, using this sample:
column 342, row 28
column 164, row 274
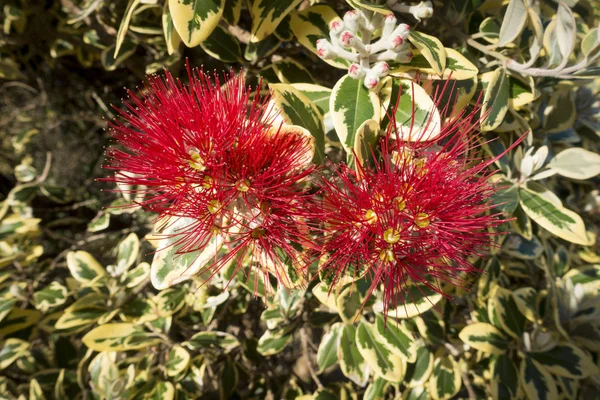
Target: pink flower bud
column 356, row 71
column 381, row 69
column 371, row 81
column 352, row 20
column 337, row 27
column 346, row 38
column 324, row 49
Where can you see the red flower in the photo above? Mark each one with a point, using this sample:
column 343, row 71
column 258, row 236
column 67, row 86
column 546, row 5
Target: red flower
column 417, row 217
column 212, row 152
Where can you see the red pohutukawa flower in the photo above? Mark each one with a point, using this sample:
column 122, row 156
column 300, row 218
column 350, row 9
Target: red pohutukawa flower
column 212, row 153
column 417, row 217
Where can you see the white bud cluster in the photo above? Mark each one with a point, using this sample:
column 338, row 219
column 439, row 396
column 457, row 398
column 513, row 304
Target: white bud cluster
column 350, row 39
column 420, row 11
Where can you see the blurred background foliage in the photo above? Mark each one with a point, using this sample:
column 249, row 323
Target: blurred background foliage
column 79, row 319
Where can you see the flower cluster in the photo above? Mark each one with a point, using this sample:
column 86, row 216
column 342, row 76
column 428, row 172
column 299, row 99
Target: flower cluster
column 417, row 217
column 212, row 152
column 350, row 39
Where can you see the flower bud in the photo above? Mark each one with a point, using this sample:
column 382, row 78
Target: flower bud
column 346, row 38
column 336, row 27
column 352, row 20
column 356, row 71
column 404, row 56
column 381, row 69
column 389, row 23
column 423, row 10
column 371, row 81
column 325, row 50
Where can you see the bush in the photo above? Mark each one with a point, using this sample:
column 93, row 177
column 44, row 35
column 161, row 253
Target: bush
column 361, row 208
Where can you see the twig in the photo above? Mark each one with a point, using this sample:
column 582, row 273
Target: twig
column 304, row 340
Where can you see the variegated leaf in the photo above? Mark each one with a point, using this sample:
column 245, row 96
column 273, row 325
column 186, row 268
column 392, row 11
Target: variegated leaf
column 536, row 381
column 377, row 355
column 484, row 337
column 431, row 48
column 351, row 361
column 566, row 360
column 195, row 20
column 328, row 348
column 168, row 266
column 312, row 24
column 398, row 338
column 266, row 16
column 297, row 109
column 118, row 337
column 445, row 381
column 351, row 104
column 84, row 267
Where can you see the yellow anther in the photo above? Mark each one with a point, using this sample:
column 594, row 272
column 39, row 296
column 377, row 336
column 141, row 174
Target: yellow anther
column 422, row 220
column 243, row 185
column 214, row 206
column 196, row 162
column 387, row 255
column 208, row 181
column 399, row 203
column 370, row 217
column 391, row 236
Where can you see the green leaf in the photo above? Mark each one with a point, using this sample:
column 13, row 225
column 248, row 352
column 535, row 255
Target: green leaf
column 351, row 104
column 84, row 267
column 484, row 337
column 536, row 381
column 376, row 389
column 378, row 356
column 576, row 163
column 445, row 381
column 82, row 313
column 118, row 337
column 312, row 24
column 297, row 109
column 11, row 350
column 127, row 252
column 137, row 275
column 222, row 45
column 349, row 304
column 328, row 349
column 398, row 338
column 195, row 20
column 110, row 62
column 131, row 6
column 566, row 31
column 289, row 70
column 172, row 38
column 319, row 95
column 51, row 296
column 553, row 217
column 458, row 68
column 415, row 300
column 421, row 370
column 266, row 16
column 513, row 22
column 566, row 360
column 273, row 342
column 162, row 391
column 431, row 48
column 365, row 142
column 17, row 320
column 417, row 117
column 510, row 318
column 526, row 298
column 100, row 222
column 560, row 112
column 178, row 360
column 168, row 266
column 351, row 361
column 505, row 380
column 212, row 340
column 495, row 99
